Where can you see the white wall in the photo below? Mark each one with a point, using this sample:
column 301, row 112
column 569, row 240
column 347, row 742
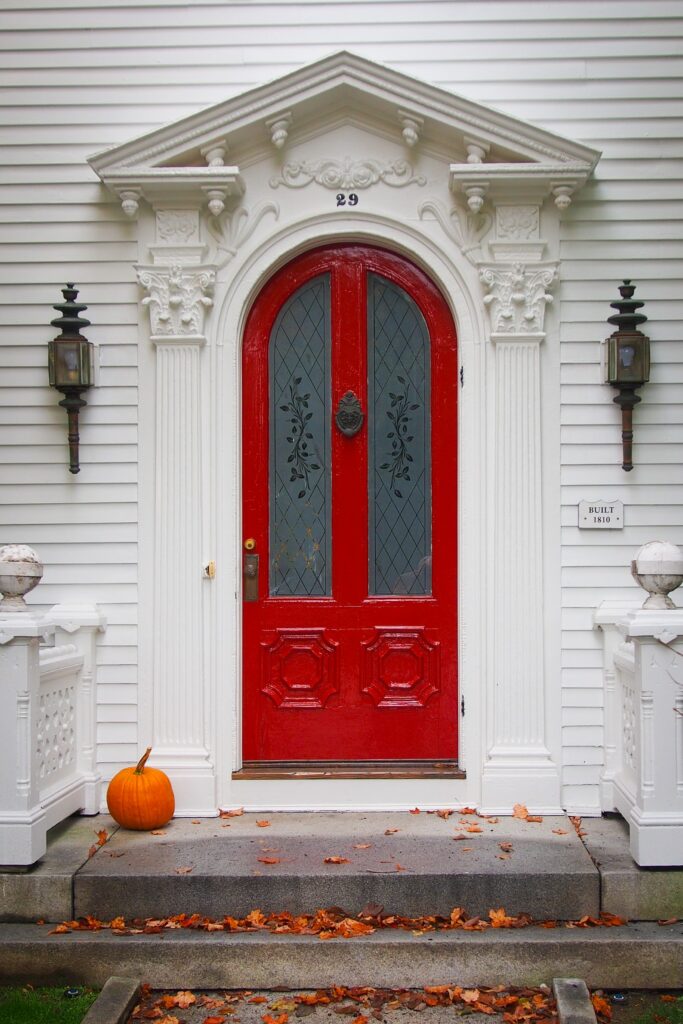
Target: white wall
column 78, row 77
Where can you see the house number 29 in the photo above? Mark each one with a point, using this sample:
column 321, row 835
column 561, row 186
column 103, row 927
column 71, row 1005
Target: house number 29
column 344, row 200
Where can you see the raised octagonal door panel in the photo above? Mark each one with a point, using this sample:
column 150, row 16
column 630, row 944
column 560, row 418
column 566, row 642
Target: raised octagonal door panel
column 349, row 514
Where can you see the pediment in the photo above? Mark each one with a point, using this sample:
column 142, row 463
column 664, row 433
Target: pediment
column 206, row 156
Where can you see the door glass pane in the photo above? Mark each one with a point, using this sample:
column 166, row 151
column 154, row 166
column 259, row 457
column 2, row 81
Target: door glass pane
column 300, row 534
column 399, row 440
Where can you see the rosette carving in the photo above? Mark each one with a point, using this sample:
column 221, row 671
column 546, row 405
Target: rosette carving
column 347, row 174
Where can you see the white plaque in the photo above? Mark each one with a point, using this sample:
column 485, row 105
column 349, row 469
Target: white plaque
column 601, row 515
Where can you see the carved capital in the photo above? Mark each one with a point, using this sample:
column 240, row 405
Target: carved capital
column 516, row 298
column 178, row 298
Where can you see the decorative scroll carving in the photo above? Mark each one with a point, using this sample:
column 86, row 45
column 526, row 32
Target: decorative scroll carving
column 178, row 299
column 517, row 223
column 517, row 297
column 347, row 174
column 467, row 230
column 233, row 229
column 177, row 226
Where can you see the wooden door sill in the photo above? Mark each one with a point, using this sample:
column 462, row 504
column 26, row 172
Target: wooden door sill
column 349, row 770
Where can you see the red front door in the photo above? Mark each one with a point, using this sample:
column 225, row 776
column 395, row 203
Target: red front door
column 349, row 484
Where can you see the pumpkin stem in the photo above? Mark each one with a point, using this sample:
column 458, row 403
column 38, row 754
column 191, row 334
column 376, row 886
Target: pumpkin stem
column 142, row 762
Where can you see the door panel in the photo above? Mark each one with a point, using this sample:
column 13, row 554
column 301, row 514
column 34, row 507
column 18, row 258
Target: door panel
column 350, row 650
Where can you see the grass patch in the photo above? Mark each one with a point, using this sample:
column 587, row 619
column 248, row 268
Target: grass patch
column 650, row 1008
column 30, row 1005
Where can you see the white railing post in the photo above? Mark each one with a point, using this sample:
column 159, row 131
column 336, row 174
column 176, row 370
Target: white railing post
column 79, row 624
column 22, row 818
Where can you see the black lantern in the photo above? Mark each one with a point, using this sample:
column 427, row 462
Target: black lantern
column 70, row 364
column 628, row 362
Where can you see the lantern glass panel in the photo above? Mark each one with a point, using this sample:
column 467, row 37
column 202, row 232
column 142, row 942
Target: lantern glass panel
column 70, row 363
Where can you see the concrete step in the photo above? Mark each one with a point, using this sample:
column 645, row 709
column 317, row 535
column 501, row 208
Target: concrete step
column 408, row 864
column 635, row 956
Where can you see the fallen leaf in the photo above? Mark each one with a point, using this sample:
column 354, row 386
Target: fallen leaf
column 415, row 810
column 213, row 1020
column 467, row 810
column 184, row 999
column 269, row 860
column 467, row 849
column 360, row 1019
column 281, row 1019
column 168, row 1020
column 92, row 851
column 520, row 811
column 102, row 836
column 470, row 995
column 234, row 813
column 196, row 821
column 158, row 832
column 258, row 999
column 459, row 835
column 668, row 920
column 444, row 814
column 61, row 929
column 183, row 870
column 391, row 831
column 534, row 817
column 362, row 846
column 601, row 1006
column 263, row 824
column 473, row 828
column 506, row 847
column 668, row 998
column 336, row 860
column 399, row 867
column 560, row 832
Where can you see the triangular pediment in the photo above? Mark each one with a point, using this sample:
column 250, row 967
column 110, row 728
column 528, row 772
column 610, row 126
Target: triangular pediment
column 208, row 150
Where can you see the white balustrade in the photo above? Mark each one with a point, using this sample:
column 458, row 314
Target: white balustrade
column 47, row 719
column 643, row 775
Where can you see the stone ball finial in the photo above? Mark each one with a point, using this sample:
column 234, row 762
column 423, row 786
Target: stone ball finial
column 20, row 571
column 658, row 568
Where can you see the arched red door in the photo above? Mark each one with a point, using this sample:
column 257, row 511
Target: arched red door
column 349, row 514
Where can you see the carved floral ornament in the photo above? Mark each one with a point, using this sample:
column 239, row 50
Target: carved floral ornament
column 178, row 299
column 517, row 297
column 347, row 174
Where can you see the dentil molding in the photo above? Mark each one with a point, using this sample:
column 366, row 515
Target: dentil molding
column 178, row 298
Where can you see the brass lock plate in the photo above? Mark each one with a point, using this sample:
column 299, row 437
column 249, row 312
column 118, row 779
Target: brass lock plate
column 250, row 574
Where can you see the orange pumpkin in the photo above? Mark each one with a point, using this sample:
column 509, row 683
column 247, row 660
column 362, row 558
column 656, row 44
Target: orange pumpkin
column 141, row 798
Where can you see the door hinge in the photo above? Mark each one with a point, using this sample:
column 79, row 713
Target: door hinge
column 462, row 376
column 462, row 706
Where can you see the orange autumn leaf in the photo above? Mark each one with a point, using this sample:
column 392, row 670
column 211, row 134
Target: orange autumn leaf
column 269, row 860
column 468, row 810
column 258, row 999
column 158, row 832
column 499, row 919
column 336, row 860
column 560, row 832
column 668, row 998
column 102, row 837
column 506, row 847
column 399, row 867
column 415, row 810
column 362, row 846
column 534, row 817
column 601, row 1006
column 391, row 831
column 444, row 814
column 183, row 999
column 184, row 870
column 256, row 918
column 470, row 995
column 61, row 929
column 281, row 1019
column 473, row 828
column 520, row 811
column 458, row 835
column 457, row 914
column 360, row 1019
column 263, row 824
column 234, row 813
column 214, row 1020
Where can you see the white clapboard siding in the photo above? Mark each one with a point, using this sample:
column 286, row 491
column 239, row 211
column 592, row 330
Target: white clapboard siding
column 79, row 76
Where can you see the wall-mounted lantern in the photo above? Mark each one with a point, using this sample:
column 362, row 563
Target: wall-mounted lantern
column 70, row 362
column 628, row 362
